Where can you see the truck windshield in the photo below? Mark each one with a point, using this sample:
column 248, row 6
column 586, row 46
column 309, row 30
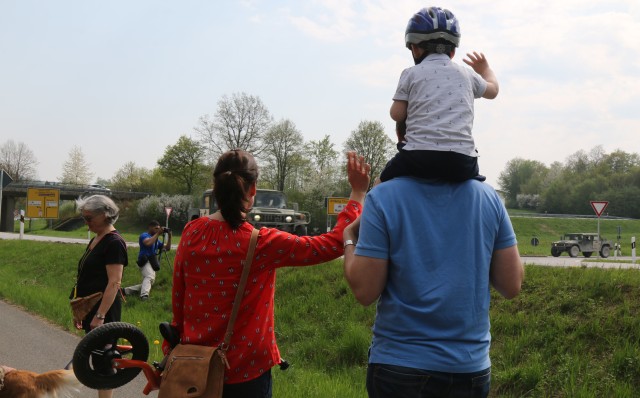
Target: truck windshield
column 270, row 199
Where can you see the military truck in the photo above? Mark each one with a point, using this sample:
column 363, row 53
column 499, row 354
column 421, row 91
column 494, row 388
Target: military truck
column 270, row 209
column 587, row 243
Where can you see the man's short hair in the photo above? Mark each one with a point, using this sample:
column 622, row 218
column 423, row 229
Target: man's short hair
column 153, row 223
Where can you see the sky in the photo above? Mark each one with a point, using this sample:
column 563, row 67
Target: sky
column 124, row 79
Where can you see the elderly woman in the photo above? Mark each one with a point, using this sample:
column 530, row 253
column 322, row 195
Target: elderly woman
column 208, row 266
column 100, row 267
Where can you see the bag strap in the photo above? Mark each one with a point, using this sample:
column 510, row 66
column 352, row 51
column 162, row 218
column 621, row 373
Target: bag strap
column 243, row 283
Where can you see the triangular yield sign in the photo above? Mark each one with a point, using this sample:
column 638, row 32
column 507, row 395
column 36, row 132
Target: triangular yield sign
column 599, row 207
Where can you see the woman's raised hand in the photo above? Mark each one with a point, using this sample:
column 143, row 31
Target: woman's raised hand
column 358, row 175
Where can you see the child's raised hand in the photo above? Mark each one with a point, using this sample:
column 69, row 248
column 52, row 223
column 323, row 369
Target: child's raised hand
column 478, row 62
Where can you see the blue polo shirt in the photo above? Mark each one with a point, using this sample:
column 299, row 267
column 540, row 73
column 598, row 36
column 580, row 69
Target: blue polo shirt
column 433, row 313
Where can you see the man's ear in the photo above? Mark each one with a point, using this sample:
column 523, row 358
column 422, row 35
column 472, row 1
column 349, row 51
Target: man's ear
column 453, row 53
column 252, row 189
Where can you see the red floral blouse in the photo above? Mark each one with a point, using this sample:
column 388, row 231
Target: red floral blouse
column 206, row 274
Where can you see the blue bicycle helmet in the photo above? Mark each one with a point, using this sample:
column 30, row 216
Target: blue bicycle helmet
column 432, row 23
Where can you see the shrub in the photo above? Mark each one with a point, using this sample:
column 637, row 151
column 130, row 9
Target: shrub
column 152, row 208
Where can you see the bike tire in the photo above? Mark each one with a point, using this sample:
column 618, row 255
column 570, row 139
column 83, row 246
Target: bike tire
column 92, row 362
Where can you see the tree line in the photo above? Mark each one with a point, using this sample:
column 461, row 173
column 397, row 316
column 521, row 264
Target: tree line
column 310, row 171
column 569, row 187
column 307, row 171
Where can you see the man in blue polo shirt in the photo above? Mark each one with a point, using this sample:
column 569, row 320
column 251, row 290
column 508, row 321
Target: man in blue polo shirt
column 428, row 253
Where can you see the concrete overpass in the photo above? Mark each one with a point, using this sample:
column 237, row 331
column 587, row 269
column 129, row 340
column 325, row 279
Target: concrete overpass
column 67, row 192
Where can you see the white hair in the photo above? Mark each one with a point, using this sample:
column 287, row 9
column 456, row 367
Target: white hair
column 99, row 204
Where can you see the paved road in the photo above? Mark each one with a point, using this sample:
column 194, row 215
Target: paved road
column 566, row 261
column 10, row 235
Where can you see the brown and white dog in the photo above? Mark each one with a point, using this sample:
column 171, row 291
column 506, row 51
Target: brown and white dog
column 25, row 384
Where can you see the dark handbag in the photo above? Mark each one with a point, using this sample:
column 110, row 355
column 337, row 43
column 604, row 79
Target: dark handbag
column 152, row 260
column 141, row 261
column 198, row 371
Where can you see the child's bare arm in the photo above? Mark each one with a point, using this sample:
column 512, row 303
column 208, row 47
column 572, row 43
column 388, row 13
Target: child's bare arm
column 480, row 64
column 398, row 113
column 398, row 110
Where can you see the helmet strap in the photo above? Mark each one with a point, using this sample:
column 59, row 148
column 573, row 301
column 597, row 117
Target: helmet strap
column 434, row 48
column 439, row 48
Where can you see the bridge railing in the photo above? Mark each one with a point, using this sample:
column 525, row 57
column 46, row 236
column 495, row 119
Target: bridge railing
column 70, row 191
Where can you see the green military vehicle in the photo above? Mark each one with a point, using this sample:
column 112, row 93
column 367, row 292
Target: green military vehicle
column 587, row 243
column 270, row 209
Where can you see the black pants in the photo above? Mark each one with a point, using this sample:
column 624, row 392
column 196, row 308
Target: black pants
column 435, row 165
column 260, row 387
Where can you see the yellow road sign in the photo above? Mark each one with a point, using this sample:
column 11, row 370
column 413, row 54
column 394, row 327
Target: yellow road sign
column 335, row 205
column 43, row 202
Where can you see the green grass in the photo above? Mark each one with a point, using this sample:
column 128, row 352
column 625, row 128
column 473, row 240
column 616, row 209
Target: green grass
column 572, row 332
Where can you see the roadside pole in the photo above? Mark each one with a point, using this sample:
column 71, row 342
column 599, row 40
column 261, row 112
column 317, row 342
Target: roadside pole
column 633, row 249
column 5, row 179
column 1, row 187
column 21, row 224
column 167, row 211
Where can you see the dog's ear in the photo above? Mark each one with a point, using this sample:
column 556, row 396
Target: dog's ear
column 1, row 378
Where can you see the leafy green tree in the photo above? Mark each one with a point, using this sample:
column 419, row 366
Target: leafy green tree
column 76, row 169
column 184, row 164
column 324, row 167
column 240, row 122
column 370, row 140
column 521, row 176
column 130, row 177
column 158, row 183
column 283, row 145
column 623, row 201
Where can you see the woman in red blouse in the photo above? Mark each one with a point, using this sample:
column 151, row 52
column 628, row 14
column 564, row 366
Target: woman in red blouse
column 208, row 266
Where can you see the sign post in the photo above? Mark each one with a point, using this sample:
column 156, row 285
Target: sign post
column 599, row 207
column 168, row 211
column 43, row 202
column 633, row 249
column 334, row 207
column 5, row 179
column 21, row 224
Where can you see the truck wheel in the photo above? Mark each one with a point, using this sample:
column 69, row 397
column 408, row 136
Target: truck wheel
column 587, row 254
column 604, row 252
column 574, row 251
column 555, row 252
column 300, row 230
